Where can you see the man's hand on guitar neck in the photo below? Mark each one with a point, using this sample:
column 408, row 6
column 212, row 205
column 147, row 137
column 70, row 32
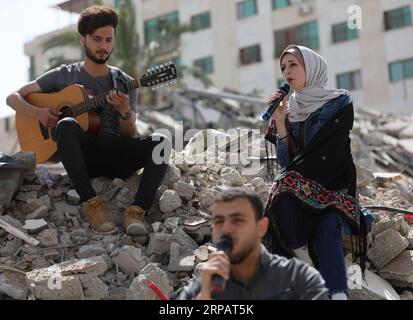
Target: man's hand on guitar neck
column 48, row 117
column 119, row 101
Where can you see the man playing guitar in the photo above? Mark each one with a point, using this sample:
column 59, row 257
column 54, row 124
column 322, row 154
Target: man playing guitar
column 113, row 150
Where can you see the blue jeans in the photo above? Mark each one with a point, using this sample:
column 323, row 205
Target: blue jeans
column 295, row 223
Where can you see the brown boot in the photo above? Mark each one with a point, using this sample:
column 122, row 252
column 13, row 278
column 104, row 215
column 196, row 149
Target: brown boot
column 133, row 221
column 96, row 215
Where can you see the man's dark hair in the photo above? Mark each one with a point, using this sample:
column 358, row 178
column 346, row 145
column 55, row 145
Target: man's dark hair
column 96, row 17
column 252, row 197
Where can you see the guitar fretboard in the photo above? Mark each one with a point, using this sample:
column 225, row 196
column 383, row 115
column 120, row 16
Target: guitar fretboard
column 94, row 103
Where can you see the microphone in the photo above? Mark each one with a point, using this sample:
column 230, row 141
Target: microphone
column 217, row 282
column 273, row 105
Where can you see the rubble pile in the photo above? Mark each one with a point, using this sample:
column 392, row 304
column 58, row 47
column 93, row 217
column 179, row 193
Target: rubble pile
column 47, row 250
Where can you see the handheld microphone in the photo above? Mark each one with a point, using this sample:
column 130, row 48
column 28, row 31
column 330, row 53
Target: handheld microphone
column 273, row 105
column 217, row 282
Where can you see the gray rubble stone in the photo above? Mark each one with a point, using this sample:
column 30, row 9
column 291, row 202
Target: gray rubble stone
column 72, row 197
column 409, row 238
column 113, row 189
column 231, row 177
column 181, row 259
column 396, row 222
column 139, row 290
column 93, row 287
column 185, row 190
column 45, row 200
column 172, row 175
column 386, row 246
column 158, row 243
column 10, row 180
column 125, row 196
column 35, row 226
column 400, row 270
column 130, row 260
column 26, row 196
column 11, row 247
column 65, row 207
column 169, row 201
column 170, row 224
column 48, row 238
column 407, row 132
column 200, row 235
column 27, row 160
column 207, row 198
column 181, row 237
column 39, row 213
column 156, row 226
column 91, row 250
column 406, row 295
column 12, row 284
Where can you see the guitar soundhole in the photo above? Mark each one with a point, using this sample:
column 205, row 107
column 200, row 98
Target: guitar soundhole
column 65, row 112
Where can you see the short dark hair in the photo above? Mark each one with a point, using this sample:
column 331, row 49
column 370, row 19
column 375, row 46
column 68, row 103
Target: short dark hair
column 96, row 17
column 252, row 197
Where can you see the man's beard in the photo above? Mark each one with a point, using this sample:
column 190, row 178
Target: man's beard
column 92, row 57
column 240, row 257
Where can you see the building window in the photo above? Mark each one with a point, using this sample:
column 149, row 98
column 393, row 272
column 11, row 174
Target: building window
column 201, row 21
column 250, row 55
column 279, row 4
column 153, row 27
column 305, row 34
column 246, row 8
column 349, row 80
column 401, row 70
column 205, row 64
column 341, row 32
column 398, row 18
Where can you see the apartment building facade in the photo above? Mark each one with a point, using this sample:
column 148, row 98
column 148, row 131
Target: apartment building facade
column 238, row 43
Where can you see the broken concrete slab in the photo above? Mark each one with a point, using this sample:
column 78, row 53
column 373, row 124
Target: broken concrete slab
column 130, row 260
column 35, row 226
column 48, row 238
column 12, row 284
column 396, row 222
column 158, row 243
column 184, row 190
column 65, row 207
column 181, row 237
column 194, row 223
column 66, row 280
column 386, row 246
column 93, row 287
column 139, row 289
column 400, row 270
column 91, row 250
column 181, row 259
column 72, row 197
column 39, row 213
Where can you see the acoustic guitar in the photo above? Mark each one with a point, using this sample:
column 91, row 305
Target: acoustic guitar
column 76, row 101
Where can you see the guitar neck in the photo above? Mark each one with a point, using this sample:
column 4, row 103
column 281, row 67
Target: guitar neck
column 95, row 103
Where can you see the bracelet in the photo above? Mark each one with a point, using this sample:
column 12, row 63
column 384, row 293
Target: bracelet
column 126, row 115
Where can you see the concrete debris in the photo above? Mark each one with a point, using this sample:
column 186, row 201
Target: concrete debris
column 118, row 266
column 386, row 246
column 35, row 226
column 139, row 289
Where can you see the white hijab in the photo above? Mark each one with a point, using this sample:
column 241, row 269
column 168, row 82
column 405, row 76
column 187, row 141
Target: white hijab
column 313, row 96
